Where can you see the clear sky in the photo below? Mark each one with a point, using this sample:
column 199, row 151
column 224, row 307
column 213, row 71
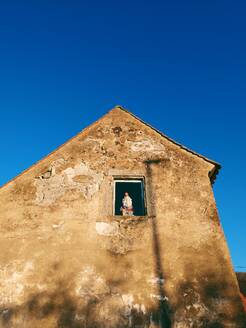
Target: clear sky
column 179, row 65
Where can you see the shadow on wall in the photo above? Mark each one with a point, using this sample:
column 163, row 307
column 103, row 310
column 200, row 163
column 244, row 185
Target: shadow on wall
column 61, row 310
column 196, row 308
column 209, row 301
column 204, row 298
column 94, row 305
column 163, row 310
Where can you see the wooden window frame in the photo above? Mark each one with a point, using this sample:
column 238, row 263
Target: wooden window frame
column 136, row 179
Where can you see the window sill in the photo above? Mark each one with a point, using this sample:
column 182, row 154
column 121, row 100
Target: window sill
column 128, row 219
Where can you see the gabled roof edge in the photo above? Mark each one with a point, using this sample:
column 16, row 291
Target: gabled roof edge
column 212, row 174
column 55, row 150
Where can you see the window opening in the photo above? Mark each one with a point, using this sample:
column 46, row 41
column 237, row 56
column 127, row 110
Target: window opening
column 129, row 197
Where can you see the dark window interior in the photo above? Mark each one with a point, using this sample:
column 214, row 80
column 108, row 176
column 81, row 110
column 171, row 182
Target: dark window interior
column 135, row 190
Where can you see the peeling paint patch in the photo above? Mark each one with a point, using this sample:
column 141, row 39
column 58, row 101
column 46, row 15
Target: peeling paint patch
column 90, row 284
column 107, row 229
column 80, row 317
column 127, row 299
column 159, row 297
column 79, row 178
column 13, row 282
column 147, row 145
column 156, row 281
column 58, row 225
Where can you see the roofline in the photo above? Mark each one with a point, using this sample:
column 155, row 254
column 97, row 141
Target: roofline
column 55, row 150
column 212, row 173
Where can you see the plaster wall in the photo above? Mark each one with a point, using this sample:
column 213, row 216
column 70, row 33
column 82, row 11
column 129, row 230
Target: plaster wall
column 66, row 261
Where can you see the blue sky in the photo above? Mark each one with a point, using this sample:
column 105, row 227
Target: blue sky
column 179, row 65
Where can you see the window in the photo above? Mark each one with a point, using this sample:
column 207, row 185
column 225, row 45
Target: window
column 129, row 197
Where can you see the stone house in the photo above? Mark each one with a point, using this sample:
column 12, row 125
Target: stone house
column 70, row 258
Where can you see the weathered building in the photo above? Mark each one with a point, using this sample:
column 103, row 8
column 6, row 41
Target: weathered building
column 241, row 277
column 69, row 258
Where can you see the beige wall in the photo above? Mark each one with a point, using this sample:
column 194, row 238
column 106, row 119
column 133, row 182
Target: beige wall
column 65, row 261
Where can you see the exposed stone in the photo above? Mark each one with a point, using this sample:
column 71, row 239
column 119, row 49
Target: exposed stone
column 79, row 178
